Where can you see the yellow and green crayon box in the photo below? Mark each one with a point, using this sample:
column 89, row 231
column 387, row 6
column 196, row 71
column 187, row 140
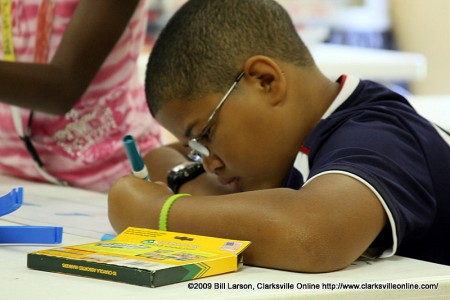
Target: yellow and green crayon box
column 144, row 257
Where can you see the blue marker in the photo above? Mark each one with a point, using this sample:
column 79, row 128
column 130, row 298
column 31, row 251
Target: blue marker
column 139, row 168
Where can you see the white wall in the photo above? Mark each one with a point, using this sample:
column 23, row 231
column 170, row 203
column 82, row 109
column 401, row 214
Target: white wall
column 424, row 26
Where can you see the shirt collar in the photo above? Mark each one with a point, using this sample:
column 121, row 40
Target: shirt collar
column 348, row 86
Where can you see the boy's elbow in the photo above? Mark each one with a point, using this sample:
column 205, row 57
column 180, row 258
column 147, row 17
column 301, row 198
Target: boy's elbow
column 314, row 263
column 326, row 255
column 324, row 263
column 307, row 253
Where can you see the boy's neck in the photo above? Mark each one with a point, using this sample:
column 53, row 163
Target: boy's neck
column 313, row 95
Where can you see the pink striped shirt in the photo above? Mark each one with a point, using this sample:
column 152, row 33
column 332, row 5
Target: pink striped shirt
column 82, row 147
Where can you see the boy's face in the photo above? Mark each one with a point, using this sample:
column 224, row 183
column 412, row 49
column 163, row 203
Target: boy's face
column 245, row 140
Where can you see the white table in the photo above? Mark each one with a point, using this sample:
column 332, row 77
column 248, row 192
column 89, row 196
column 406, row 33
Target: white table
column 83, row 215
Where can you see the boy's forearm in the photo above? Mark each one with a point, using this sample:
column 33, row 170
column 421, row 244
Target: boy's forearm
column 132, row 202
column 291, row 230
column 270, row 230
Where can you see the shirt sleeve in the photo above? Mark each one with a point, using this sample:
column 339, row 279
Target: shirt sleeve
column 381, row 153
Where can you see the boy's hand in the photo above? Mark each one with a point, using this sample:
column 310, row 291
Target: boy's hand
column 145, row 196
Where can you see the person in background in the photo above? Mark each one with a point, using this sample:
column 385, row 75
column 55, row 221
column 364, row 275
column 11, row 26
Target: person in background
column 70, row 90
column 314, row 172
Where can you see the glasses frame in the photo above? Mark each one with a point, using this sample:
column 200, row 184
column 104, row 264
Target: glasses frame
column 199, row 150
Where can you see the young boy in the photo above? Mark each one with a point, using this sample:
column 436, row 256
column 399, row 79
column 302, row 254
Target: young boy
column 314, row 172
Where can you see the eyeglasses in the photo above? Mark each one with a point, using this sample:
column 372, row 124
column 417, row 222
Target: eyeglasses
column 198, row 149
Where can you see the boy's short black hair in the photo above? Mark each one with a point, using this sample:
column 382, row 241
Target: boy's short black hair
column 205, row 44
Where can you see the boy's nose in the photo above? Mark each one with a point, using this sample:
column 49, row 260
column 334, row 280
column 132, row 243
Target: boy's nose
column 212, row 163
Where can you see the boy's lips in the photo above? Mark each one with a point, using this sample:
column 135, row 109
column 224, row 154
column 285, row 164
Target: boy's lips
column 226, row 181
column 233, row 182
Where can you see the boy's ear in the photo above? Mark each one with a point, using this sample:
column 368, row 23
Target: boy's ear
column 267, row 76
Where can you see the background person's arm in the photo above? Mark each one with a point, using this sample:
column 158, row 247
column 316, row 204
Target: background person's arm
column 93, row 31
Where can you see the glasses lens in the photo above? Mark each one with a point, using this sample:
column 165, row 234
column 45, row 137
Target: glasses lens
column 194, row 156
column 198, row 148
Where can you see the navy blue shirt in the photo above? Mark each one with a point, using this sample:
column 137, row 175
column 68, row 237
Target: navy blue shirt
column 376, row 136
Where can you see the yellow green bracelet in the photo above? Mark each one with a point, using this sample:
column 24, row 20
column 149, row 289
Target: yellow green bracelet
column 164, row 214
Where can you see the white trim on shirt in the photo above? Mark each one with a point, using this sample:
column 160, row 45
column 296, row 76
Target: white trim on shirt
column 389, row 251
column 301, row 162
